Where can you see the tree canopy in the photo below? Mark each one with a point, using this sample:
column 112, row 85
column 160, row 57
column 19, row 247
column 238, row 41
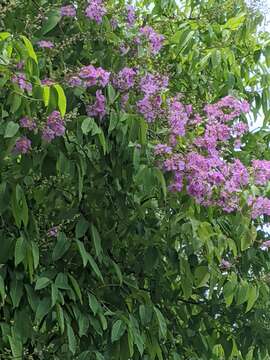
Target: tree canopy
column 133, row 190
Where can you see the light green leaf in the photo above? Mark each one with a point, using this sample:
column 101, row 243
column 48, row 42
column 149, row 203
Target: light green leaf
column 11, row 129
column 42, row 283
column 96, row 239
column 62, row 101
column 118, row 330
column 71, row 339
column 29, row 48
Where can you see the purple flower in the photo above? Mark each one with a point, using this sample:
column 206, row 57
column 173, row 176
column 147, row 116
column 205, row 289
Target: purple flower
column 45, row 44
column 94, row 76
column 20, row 65
column 68, row 10
column 98, row 108
column 261, row 171
column 125, row 79
column 54, row 127
column 260, row 206
column 131, row 15
column 265, row 245
column 153, row 84
column 22, row 146
column 156, row 40
column 150, row 107
column 28, row 123
column 74, row 81
column 124, row 100
column 225, row 264
column 114, row 23
column 21, row 80
column 162, row 149
column 47, row 82
column 95, row 10
column 53, row 232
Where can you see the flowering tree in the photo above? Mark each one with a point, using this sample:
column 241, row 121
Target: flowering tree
column 133, row 194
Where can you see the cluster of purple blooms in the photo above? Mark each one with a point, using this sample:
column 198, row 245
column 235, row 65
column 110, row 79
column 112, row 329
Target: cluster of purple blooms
column 202, row 169
column 28, row 123
column 22, row 145
column 54, row 127
column 125, row 79
column 98, row 108
column 156, row 40
column 131, row 15
column 95, row 10
column 152, row 86
column 45, row 44
column 89, row 76
column 20, row 79
column 68, row 10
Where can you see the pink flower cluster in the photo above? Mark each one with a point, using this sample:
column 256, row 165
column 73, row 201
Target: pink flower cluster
column 202, row 169
column 20, row 79
column 150, row 105
column 95, row 10
column 125, row 79
column 155, row 40
column 55, row 127
column 261, row 171
column 131, row 15
column 28, row 123
column 98, row 108
column 22, row 145
column 45, row 44
column 90, row 76
column 68, row 10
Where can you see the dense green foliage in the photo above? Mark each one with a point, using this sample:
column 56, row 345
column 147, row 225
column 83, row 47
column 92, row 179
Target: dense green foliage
column 134, row 272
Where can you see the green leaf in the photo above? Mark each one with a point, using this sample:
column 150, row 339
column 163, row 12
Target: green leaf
column 201, row 276
column 96, row 239
column 71, row 339
column 29, row 48
column 83, row 252
column 16, row 292
column 11, row 129
column 118, row 330
column 161, row 322
column 46, row 95
column 76, row 287
column 35, row 254
column 81, row 227
column 62, row 101
column 60, row 318
column 94, row 266
column 93, row 303
column 253, row 294
column 234, row 22
column 20, row 251
column 61, row 247
column 89, row 125
column 53, row 18
column 16, row 347
column 42, row 282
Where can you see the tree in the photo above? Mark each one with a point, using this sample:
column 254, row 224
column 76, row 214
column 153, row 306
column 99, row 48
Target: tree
column 131, row 221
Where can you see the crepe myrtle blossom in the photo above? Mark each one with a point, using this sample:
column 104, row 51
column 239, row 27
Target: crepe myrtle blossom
column 28, row 123
column 225, row 264
column 155, row 40
column 92, row 76
column 45, row 44
column 125, row 79
column 22, row 145
column 68, row 10
column 54, row 127
column 98, row 108
column 53, row 231
column 131, row 15
column 20, row 79
column 95, row 10
column 265, row 245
